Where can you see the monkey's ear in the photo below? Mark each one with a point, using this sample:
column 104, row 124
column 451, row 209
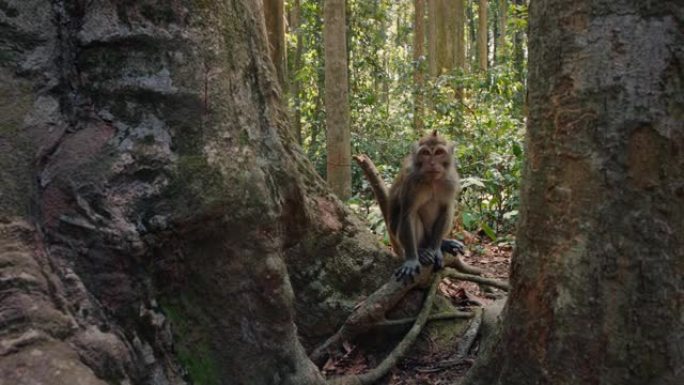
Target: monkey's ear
column 434, row 133
column 451, row 146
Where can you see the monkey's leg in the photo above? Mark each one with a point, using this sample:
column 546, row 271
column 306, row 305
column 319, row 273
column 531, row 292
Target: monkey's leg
column 409, row 234
column 434, row 240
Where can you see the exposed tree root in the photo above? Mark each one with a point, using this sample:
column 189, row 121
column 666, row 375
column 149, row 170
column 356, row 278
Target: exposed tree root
column 434, row 317
column 391, row 360
column 369, row 312
column 452, row 273
column 464, row 345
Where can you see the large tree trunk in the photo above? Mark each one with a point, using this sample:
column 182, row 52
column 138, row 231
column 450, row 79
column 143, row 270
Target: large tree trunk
column 597, row 273
column 152, row 202
column 338, row 137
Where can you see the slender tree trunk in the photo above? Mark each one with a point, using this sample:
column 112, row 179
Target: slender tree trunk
column 519, row 48
column 597, row 271
column 338, row 136
column 472, row 34
column 275, row 27
column 418, row 59
column 501, row 42
column 482, row 33
column 295, row 26
column 459, row 21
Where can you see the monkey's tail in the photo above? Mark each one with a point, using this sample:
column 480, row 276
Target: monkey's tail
column 376, row 183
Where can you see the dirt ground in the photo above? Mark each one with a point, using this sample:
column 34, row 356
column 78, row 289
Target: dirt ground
column 494, row 260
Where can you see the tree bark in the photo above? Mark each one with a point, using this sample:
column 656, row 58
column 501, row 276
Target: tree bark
column 274, row 15
column 597, row 272
column 152, row 202
column 482, row 33
column 295, row 26
column 519, row 48
column 459, row 21
column 472, row 35
column 503, row 20
column 418, row 70
column 336, row 99
column 442, row 43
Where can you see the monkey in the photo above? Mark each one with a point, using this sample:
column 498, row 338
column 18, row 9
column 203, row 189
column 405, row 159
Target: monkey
column 421, row 206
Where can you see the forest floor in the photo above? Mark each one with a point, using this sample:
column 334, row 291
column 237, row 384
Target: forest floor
column 494, row 260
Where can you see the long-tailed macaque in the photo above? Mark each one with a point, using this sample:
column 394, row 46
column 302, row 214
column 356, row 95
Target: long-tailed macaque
column 421, row 205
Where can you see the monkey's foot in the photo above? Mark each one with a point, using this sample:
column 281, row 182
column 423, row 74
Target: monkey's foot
column 426, row 256
column 408, row 270
column 439, row 260
column 452, row 247
column 432, row 257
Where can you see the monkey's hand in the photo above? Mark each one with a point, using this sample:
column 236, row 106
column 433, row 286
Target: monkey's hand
column 410, row 268
column 432, row 257
column 452, row 247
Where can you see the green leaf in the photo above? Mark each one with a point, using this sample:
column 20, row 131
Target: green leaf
column 472, row 181
column 510, row 214
column 468, row 220
column 488, row 230
column 517, row 150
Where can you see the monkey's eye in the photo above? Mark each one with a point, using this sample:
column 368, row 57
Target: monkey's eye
column 440, row 151
column 424, row 152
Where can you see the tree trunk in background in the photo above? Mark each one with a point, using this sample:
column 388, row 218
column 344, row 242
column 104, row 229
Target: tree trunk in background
column 501, row 43
column 519, row 48
column 472, row 35
column 459, row 20
column 597, row 272
column 151, row 200
column 338, row 137
column 274, row 16
column 295, row 26
column 442, row 39
column 482, row 32
column 418, row 59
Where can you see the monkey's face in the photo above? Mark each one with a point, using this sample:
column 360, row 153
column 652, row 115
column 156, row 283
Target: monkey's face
column 433, row 161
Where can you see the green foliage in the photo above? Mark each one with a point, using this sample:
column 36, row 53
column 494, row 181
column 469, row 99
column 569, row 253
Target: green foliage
column 487, row 123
